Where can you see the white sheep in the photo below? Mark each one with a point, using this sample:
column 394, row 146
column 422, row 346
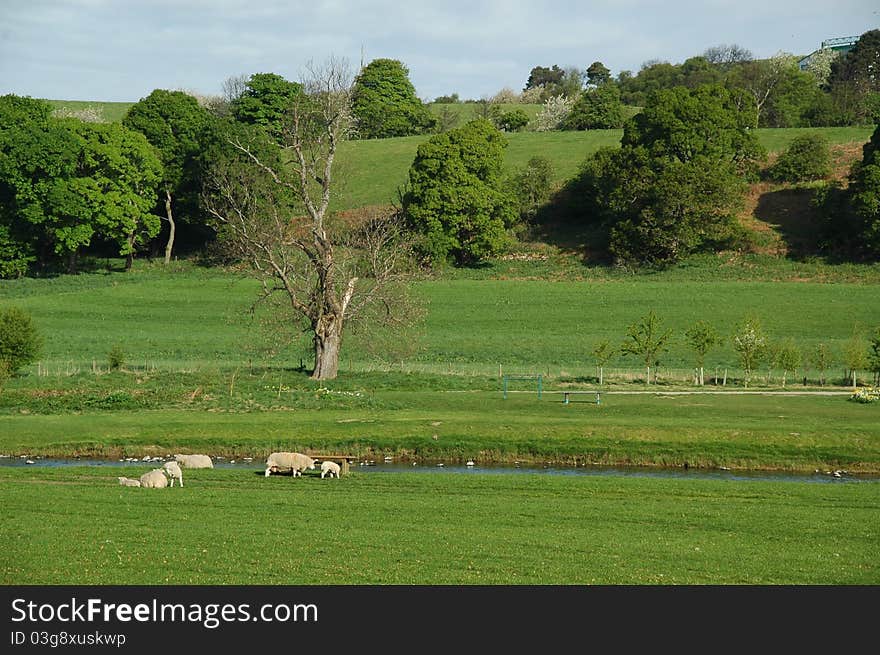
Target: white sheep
column 172, row 469
column 154, row 479
column 129, row 482
column 194, row 461
column 297, row 462
column 329, row 468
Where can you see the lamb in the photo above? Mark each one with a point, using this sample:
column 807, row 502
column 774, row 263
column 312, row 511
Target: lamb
column 172, row 469
column 154, row 479
column 329, row 468
column 129, row 482
column 297, row 462
column 194, row 461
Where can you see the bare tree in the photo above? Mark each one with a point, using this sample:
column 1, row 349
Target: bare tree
column 727, row 54
column 234, row 86
column 271, row 208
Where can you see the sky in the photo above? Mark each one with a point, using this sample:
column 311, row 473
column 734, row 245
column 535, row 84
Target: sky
column 120, row 50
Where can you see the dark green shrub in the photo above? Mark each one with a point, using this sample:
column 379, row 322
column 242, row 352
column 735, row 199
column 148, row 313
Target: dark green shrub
column 116, row 358
column 20, row 343
column 512, row 121
column 807, row 158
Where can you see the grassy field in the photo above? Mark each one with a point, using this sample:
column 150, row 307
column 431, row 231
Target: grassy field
column 195, row 317
column 78, row 526
column 109, row 112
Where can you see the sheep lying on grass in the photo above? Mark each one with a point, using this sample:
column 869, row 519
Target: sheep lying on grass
column 154, row 479
column 329, row 468
column 297, row 462
column 129, row 482
column 194, row 461
column 172, row 469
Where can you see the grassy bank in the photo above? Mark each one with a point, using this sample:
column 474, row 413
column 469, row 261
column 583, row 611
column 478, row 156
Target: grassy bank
column 78, row 526
column 800, row 433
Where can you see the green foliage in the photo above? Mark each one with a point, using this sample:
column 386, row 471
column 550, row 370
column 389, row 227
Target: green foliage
column 532, row 185
column 648, row 340
column 598, row 74
column 822, row 358
column 266, row 99
column 20, row 341
column 455, row 200
column 873, row 359
column 701, row 338
column 807, row 158
column 864, row 195
column 116, row 357
column 677, row 182
column 751, row 345
column 512, row 121
column 385, row 103
column 596, row 108
column 174, row 124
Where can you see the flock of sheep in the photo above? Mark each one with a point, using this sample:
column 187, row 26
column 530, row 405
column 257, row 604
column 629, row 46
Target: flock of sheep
column 275, row 463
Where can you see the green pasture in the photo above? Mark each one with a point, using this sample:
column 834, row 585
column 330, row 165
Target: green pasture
column 110, row 112
column 194, row 317
column 78, row 526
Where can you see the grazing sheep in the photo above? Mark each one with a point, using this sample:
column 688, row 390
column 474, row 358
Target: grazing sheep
column 129, row 482
column 297, row 462
column 194, row 461
column 154, row 479
column 172, row 469
column 329, row 468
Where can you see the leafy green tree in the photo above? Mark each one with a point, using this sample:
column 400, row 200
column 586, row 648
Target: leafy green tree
column 788, row 357
column 647, row 339
column 18, row 234
column 20, row 341
column 702, row 337
column 512, row 121
column 863, row 195
column 855, row 355
column 603, row 352
column 598, row 74
column 385, row 103
column 541, row 76
column 456, row 200
column 597, row 108
column 117, row 176
column 807, row 157
column 750, row 343
column 677, row 182
column 175, row 125
column 874, row 356
column 41, row 211
column 822, row 358
column 265, row 101
column 532, row 185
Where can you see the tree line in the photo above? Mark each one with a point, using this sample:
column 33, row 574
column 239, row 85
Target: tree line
column 648, row 340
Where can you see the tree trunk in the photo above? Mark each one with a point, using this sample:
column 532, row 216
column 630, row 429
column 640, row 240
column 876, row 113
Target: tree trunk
column 171, row 226
column 601, row 371
column 649, row 375
column 71, row 262
column 328, row 339
column 129, row 259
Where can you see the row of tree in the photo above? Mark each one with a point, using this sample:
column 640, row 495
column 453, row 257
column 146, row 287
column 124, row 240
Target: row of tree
column 648, row 340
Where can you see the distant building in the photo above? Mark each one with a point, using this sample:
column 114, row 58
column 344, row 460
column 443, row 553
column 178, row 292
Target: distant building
column 838, row 45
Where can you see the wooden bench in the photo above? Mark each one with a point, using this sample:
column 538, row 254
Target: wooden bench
column 566, row 394
column 344, row 461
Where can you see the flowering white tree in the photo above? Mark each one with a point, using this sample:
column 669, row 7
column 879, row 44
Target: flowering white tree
column 553, row 112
